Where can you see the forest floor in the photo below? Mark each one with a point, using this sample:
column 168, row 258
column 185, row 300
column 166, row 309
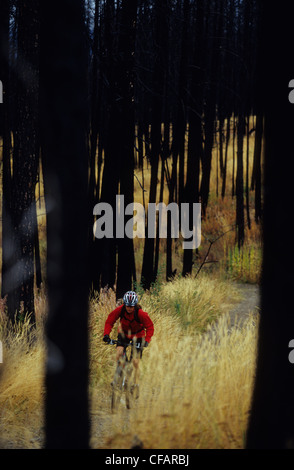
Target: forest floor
column 249, row 304
column 107, row 429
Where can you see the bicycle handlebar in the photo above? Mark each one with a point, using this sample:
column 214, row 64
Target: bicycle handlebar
column 136, row 345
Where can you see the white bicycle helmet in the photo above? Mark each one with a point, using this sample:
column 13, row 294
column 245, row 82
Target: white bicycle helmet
column 130, row 298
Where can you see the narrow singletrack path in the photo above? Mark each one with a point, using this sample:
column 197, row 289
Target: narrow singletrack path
column 249, row 304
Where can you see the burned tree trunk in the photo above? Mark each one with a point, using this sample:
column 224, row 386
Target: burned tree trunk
column 195, row 130
column 160, row 9
column 5, row 128
column 272, row 408
column 63, row 72
column 126, row 270
column 25, row 164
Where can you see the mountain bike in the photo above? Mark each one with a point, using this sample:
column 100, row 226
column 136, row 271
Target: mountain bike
column 124, row 382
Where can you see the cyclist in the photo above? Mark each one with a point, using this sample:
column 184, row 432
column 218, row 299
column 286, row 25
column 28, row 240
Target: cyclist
column 134, row 323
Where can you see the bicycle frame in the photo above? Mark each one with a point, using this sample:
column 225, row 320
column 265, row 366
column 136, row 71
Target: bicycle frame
column 122, row 376
column 135, row 345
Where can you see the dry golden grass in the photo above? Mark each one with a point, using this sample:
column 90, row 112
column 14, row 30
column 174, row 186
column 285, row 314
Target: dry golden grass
column 21, row 386
column 195, row 386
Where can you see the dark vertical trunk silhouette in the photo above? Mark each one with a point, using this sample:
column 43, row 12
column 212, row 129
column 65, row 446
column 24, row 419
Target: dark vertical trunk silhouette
column 113, row 137
column 195, row 129
column 172, row 196
column 243, row 93
column 176, row 188
column 240, row 181
column 38, row 267
column 25, row 164
column 140, row 138
column 217, row 162
column 221, row 146
column 228, row 100
column 64, row 111
column 220, row 92
column 272, row 409
column 224, row 178
column 233, row 192
column 179, row 128
column 126, row 270
column 157, row 245
column 160, row 12
column 164, row 151
column 6, row 139
column 247, row 174
column 256, row 183
column 93, row 140
column 210, row 101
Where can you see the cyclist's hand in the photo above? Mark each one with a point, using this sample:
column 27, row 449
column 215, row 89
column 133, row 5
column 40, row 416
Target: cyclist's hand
column 146, row 344
column 106, row 339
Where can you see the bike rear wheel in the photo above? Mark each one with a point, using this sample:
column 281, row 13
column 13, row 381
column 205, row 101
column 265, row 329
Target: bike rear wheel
column 131, row 389
column 129, row 402
column 117, row 389
column 132, row 394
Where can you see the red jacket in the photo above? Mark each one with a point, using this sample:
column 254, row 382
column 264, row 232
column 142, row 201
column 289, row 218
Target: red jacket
column 129, row 326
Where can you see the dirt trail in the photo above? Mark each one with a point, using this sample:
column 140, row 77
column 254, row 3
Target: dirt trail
column 250, row 303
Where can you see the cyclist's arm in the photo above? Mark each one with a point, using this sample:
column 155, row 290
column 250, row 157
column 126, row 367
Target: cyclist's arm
column 111, row 319
column 148, row 325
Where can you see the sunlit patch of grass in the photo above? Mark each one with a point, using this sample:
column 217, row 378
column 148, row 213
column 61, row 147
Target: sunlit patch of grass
column 196, row 302
column 21, row 384
column 244, row 264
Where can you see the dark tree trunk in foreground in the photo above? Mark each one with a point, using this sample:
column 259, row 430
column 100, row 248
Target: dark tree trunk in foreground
column 64, row 126
column 6, row 139
column 272, row 412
